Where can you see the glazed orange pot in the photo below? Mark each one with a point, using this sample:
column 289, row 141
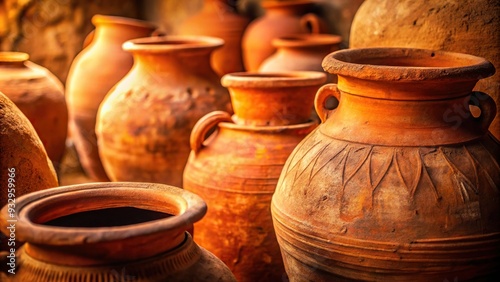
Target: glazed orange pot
column 24, row 162
column 236, row 170
column 400, row 181
column 145, row 122
column 111, row 232
column 92, row 74
column 434, row 24
column 219, row 19
column 301, row 52
column 280, row 19
column 40, row 96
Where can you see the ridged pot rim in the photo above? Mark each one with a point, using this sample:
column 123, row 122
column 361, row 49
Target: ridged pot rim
column 108, row 19
column 307, row 40
column 13, row 57
column 412, row 64
column 273, row 79
column 40, row 205
column 168, row 43
column 268, row 128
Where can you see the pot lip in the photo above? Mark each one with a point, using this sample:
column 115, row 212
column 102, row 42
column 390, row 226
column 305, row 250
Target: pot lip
column 107, row 19
column 348, row 63
column 273, row 79
column 172, row 43
column 307, row 40
column 13, row 57
column 192, row 209
column 269, row 129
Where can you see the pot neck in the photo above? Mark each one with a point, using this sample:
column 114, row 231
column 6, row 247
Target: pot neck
column 118, row 33
column 287, row 9
column 192, row 61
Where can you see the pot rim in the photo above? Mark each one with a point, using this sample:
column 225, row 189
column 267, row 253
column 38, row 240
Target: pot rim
column 269, row 129
column 13, row 57
column 107, row 19
column 273, row 79
column 172, row 43
column 191, row 208
column 307, row 40
column 451, row 65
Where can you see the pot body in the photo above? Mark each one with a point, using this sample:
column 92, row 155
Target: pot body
column 172, row 81
column 92, row 74
column 281, row 19
column 435, row 25
column 107, row 231
column 235, row 171
column 301, row 53
column 40, row 96
column 400, row 181
column 218, row 19
column 23, row 159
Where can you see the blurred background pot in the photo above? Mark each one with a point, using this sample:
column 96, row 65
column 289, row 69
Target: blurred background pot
column 111, row 231
column 92, row 74
column 145, row 122
column 40, row 96
column 400, row 181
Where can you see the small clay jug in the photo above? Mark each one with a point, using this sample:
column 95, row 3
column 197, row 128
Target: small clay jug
column 219, row 18
column 92, row 74
column 235, row 171
column 401, row 181
column 40, row 96
column 111, row 232
column 301, row 52
column 145, row 122
column 24, row 162
column 281, row 18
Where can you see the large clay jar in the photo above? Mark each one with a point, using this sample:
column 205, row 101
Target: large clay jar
column 281, row 18
column 145, row 122
column 301, row 52
column 92, row 74
column 236, row 170
column 219, row 18
column 400, row 182
column 111, row 232
column 469, row 26
column 40, row 96
column 24, row 163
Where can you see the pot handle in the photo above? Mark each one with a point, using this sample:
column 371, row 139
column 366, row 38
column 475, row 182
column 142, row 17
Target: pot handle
column 204, row 125
column 320, row 101
column 311, row 22
column 487, row 106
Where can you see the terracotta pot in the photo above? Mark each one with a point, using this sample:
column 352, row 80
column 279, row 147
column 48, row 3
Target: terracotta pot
column 281, row 18
column 111, row 231
column 40, row 96
column 301, row 52
column 219, row 19
column 280, row 98
column 169, row 88
column 400, row 181
column 24, row 162
column 92, row 74
column 443, row 25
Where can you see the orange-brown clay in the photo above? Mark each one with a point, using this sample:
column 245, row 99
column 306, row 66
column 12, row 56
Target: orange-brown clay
column 145, row 122
column 92, row 74
column 400, row 181
column 40, row 96
column 111, row 232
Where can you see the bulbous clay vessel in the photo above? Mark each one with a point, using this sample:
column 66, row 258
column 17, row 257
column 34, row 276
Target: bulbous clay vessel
column 400, row 182
column 220, row 19
column 236, row 170
column 92, row 74
column 23, row 160
column 301, row 52
column 281, row 18
column 40, row 96
column 111, row 232
column 469, row 26
column 145, row 122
